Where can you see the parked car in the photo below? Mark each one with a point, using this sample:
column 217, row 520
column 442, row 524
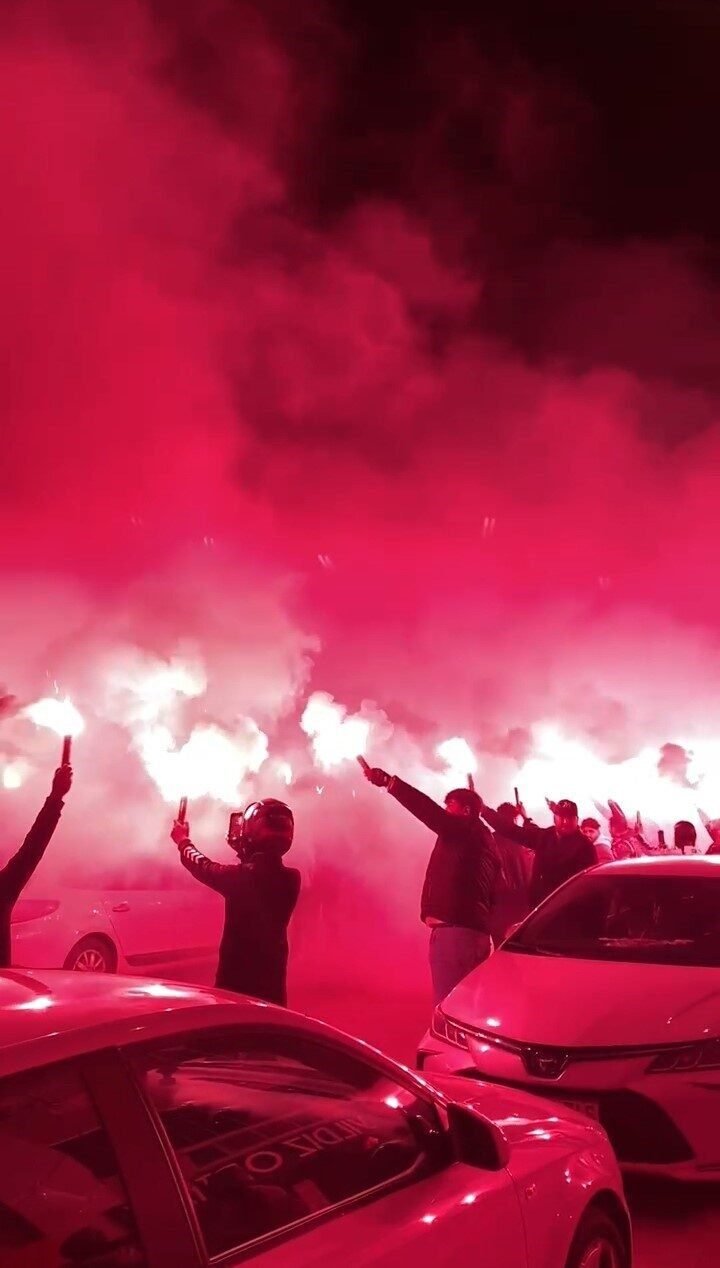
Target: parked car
column 136, row 921
column 606, row 999
column 156, row 1124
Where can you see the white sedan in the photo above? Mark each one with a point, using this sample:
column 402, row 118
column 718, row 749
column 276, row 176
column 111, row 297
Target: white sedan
column 155, row 921
column 607, row 999
column 152, row 1125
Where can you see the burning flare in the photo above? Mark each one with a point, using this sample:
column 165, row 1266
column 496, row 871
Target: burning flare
column 459, row 759
column 336, row 737
column 57, row 715
column 212, row 763
column 13, row 775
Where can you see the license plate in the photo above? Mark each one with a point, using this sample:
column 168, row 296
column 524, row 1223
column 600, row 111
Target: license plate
column 590, row 1109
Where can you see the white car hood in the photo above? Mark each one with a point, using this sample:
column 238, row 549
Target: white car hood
column 587, row 1003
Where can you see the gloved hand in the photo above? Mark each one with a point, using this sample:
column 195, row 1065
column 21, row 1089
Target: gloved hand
column 379, row 778
column 62, row 781
column 180, row 832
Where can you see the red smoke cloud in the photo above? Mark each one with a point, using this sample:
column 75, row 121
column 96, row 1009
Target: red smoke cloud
column 371, row 453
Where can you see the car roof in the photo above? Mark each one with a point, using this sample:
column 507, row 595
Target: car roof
column 674, row 865
column 53, row 1015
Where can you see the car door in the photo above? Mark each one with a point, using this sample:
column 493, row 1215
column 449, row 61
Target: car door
column 297, row 1151
column 145, row 924
column 162, row 918
column 200, row 916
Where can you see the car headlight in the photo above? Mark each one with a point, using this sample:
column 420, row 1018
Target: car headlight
column 443, row 1028
column 690, row 1056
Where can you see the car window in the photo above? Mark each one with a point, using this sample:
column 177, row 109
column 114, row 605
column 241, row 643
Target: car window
column 145, row 875
column 270, row 1128
column 62, row 1201
column 657, row 919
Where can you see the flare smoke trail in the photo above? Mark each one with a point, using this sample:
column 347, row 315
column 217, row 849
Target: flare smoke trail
column 279, row 423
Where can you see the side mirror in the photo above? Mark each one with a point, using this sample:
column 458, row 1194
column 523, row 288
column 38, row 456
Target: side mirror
column 476, row 1140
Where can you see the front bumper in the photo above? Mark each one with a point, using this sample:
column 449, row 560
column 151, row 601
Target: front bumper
column 661, row 1124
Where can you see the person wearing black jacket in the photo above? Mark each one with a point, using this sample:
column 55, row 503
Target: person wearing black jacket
column 17, row 872
column 460, row 881
column 560, row 851
column 512, row 895
column 260, row 895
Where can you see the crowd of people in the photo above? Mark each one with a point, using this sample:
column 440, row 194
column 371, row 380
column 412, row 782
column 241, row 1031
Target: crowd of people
column 488, row 869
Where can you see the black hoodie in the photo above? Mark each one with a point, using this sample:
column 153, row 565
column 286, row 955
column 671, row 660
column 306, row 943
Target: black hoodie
column 260, row 898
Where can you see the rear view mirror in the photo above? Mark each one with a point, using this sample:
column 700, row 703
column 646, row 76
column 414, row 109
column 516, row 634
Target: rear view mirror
column 476, row 1140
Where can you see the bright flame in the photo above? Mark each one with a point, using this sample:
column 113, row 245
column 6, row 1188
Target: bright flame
column 336, row 737
column 59, row 716
column 561, row 767
column 213, row 763
column 459, row 759
column 13, row 775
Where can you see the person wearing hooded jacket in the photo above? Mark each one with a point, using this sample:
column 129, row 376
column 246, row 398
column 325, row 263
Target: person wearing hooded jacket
column 560, row 851
column 460, row 880
column 260, row 895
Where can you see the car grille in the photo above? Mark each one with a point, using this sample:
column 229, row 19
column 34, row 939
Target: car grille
column 639, row 1130
column 571, row 1055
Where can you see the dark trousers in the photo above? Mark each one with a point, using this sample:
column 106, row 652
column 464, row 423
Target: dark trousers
column 455, row 952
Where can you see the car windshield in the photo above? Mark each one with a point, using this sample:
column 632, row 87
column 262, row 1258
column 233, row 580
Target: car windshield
column 636, row 918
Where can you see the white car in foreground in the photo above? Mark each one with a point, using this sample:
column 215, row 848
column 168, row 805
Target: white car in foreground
column 156, row 1125
column 607, row 999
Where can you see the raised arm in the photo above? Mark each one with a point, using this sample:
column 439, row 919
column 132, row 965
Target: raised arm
column 436, row 818
column 17, row 872
column 527, row 834
column 217, row 876
column 421, row 806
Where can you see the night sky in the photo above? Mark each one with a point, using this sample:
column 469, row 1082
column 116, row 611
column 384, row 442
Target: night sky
column 635, row 83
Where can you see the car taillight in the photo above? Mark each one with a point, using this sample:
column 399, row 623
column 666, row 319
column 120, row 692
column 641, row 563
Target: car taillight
column 450, row 1031
column 691, row 1056
column 32, row 909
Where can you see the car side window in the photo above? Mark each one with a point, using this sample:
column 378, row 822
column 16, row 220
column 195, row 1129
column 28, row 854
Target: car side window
column 272, row 1127
column 62, row 1201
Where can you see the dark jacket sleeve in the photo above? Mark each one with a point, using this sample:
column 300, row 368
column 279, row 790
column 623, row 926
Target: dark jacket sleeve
column 428, row 811
column 294, row 889
column 527, row 834
column 591, row 856
column 16, row 874
column 217, row 876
